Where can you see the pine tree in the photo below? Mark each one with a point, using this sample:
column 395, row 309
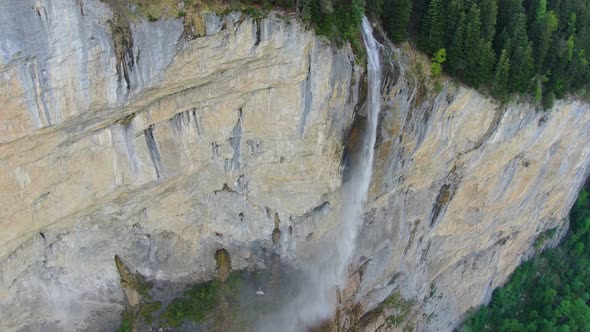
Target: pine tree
column 374, row 8
column 456, row 54
column 472, row 46
column 508, row 10
column 453, row 9
column 486, row 61
column 542, row 25
column 579, row 70
column 521, row 57
column 433, row 28
column 501, row 75
column 541, row 46
column 396, row 16
column 482, row 55
column 489, row 12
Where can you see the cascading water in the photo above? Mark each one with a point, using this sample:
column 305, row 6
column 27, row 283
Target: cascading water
column 326, row 271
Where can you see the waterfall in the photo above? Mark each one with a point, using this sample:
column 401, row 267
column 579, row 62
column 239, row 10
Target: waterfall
column 357, row 188
column 326, row 271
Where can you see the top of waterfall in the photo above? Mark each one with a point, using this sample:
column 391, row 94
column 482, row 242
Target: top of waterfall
column 370, row 42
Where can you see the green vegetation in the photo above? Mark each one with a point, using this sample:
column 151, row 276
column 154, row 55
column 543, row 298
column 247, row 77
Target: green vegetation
column 196, row 304
column 538, row 47
column 549, row 293
column 535, row 47
column 437, row 60
column 399, row 305
column 394, row 309
column 339, row 20
column 233, row 302
column 203, row 302
column 396, row 21
column 127, row 322
column 544, row 237
column 130, row 315
column 254, row 13
column 147, row 310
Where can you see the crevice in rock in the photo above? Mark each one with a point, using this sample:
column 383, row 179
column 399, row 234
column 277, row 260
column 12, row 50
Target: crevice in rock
column 44, row 253
column 256, row 21
column 225, row 188
column 183, row 120
column 306, row 96
column 493, row 127
column 41, row 198
column 196, row 121
column 390, row 77
column 122, row 42
column 242, row 185
column 39, row 90
column 502, row 241
column 394, row 278
column 152, row 146
column 235, row 141
column 214, row 150
column 126, row 120
column 425, row 252
column 445, row 195
column 127, row 123
column 353, row 137
column 315, row 210
column 81, row 7
column 254, row 146
column 276, row 233
column 412, row 235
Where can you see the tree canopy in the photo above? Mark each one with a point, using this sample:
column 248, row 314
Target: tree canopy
column 510, row 46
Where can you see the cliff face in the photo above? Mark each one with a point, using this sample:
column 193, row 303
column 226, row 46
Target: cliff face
column 463, row 188
column 123, row 137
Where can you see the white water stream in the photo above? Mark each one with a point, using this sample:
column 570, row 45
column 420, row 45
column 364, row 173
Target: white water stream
column 326, row 271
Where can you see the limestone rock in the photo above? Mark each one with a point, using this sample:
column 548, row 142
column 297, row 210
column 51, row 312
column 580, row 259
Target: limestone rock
column 462, row 188
column 126, row 137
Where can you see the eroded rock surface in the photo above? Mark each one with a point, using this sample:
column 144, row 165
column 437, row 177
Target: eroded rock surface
column 120, row 136
column 463, row 187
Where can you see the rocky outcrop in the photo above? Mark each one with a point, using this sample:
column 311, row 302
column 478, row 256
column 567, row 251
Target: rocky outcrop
column 125, row 137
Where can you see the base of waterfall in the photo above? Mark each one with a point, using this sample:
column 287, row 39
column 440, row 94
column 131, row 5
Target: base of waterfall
column 237, row 304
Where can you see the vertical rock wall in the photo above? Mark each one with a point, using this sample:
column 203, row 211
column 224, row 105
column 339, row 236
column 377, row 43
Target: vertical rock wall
column 122, row 136
column 462, row 188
